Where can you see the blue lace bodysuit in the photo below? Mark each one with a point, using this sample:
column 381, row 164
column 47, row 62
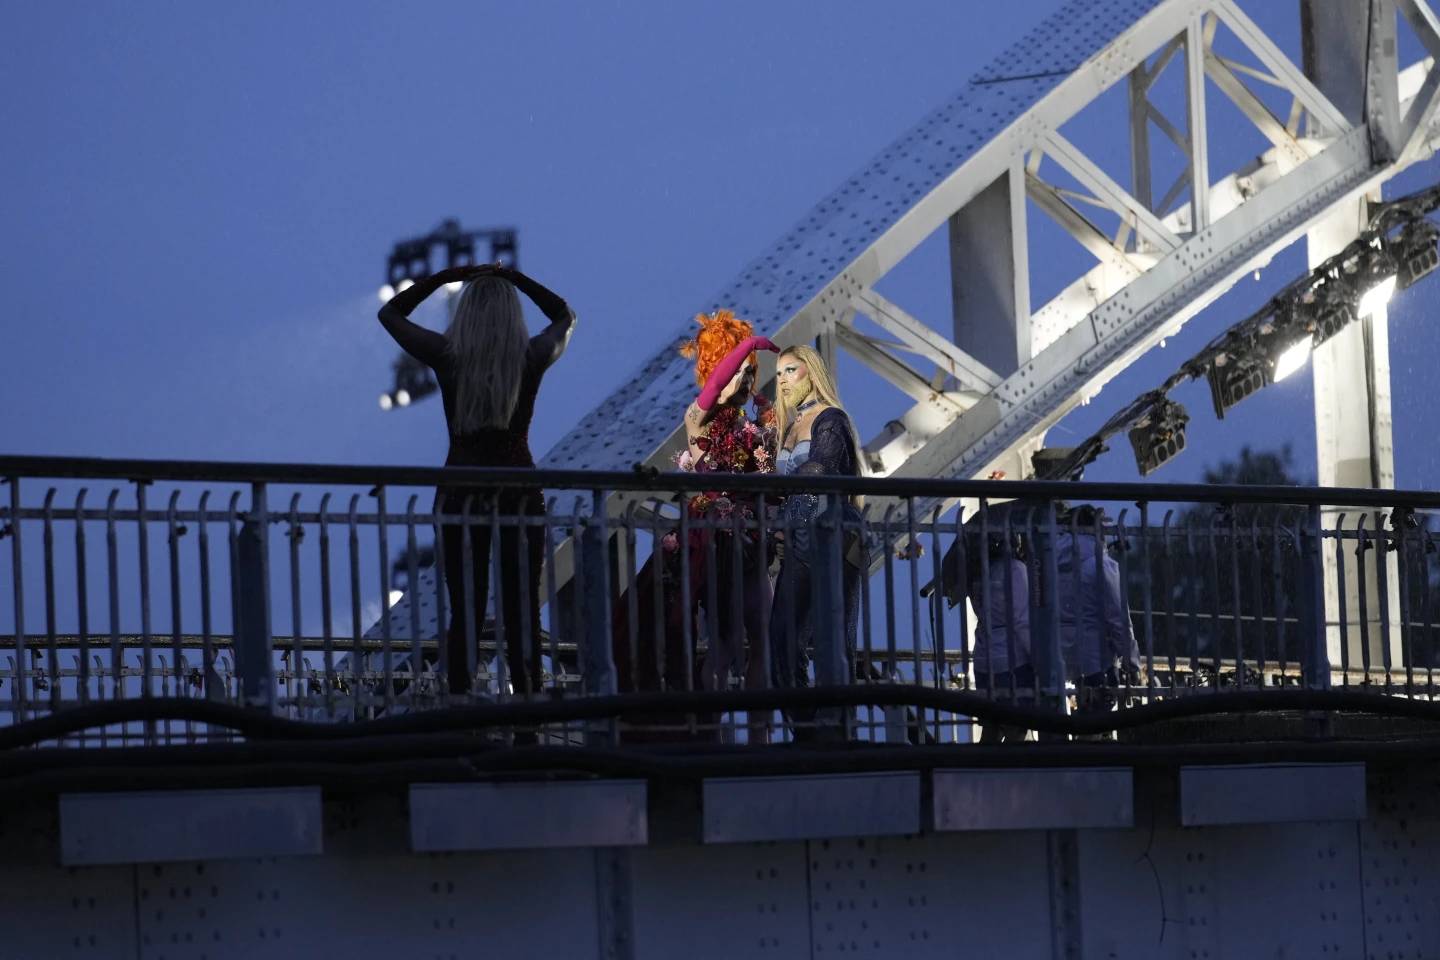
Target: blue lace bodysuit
column 830, row 451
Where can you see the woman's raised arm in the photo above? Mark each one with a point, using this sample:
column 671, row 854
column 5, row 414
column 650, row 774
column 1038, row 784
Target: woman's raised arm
column 549, row 343
column 424, row 345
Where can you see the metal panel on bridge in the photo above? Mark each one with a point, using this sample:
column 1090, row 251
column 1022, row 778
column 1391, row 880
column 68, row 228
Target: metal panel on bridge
column 1038, row 799
column 158, row 826
column 1273, row 890
column 751, row 809
column 1271, row 793
column 513, row 816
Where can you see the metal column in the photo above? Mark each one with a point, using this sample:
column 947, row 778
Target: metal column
column 1353, row 435
column 989, row 278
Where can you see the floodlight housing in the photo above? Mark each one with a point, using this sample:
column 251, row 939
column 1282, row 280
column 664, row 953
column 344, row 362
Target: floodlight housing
column 1416, row 252
column 1160, row 437
column 1233, row 380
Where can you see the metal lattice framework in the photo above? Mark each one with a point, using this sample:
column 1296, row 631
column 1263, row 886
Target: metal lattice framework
column 1007, row 372
column 980, row 396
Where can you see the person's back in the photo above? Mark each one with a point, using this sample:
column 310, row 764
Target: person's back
column 1095, row 628
column 1002, row 630
column 489, row 370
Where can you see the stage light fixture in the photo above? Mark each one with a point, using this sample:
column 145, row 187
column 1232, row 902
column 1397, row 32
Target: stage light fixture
column 1160, row 436
column 1291, row 358
column 1232, row 379
column 1376, row 296
column 1327, row 316
column 409, row 259
column 1416, row 252
column 413, row 381
column 1397, row 248
column 1374, row 278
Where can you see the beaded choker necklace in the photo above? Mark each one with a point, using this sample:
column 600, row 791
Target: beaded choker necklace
column 807, row 405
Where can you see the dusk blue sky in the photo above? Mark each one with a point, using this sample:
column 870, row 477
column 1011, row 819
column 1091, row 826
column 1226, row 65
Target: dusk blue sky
column 198, row 200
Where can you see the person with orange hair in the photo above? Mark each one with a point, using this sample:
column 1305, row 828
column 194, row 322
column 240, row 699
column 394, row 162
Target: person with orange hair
column 720, row 438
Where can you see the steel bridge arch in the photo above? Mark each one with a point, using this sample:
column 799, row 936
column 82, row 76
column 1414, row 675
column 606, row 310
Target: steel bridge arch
column 978, row 154
column 975, row 161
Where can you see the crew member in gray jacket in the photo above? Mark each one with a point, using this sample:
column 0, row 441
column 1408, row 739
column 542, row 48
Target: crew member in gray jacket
column 1097, row 638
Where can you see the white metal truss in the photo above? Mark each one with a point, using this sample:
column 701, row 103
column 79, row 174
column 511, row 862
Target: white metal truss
column 1174, row 255
column 974, row 161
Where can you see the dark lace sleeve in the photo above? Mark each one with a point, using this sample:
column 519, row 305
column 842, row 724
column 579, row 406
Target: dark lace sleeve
column 832, row 446
column 832, row 453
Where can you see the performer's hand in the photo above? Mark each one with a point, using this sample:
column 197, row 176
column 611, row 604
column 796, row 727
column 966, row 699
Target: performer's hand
column 734, row 384
column 455, row 275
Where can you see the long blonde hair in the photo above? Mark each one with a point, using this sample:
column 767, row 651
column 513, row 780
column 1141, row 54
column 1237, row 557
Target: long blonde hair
column 822, row 386
column 488, row 341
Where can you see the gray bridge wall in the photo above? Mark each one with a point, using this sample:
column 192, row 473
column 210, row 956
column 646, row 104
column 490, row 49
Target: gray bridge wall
column 1365, row 882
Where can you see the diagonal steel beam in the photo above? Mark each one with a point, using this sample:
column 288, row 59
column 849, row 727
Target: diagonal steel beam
column 1285, row 72
column 899, row 374
column 1255, row 110
column 1252, row 73
column 1424, row 22
column 1415, row 125
column 1084, row 170
column 1166, row 127
column 971, row 373
column 1145, row 76
column 1091, row 237
column 1181, row 182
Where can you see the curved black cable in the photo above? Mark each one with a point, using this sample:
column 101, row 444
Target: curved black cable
column 310, row 764
column 257, row 725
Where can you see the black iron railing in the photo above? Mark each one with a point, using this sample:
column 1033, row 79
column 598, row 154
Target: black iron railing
column 319, row 594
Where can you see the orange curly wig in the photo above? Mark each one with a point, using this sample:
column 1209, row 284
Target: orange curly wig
column 720, row 332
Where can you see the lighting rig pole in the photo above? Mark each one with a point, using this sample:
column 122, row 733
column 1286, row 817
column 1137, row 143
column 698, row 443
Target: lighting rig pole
column 410, row 260
column 1354, row 444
